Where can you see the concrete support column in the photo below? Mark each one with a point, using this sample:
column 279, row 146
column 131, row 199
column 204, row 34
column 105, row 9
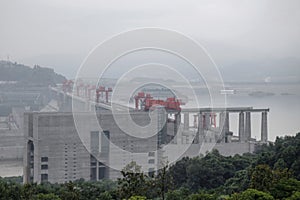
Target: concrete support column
column 224, row 125
column 97, row 169
column 248, row 126
column 221, row 124
column 224, row 121
column 176, row 127
column 221, row 119
column 242, row 127
column 264, row 127
column 200, row 132
column 161, row 126
column 27, row 161
column 207, row 124
column 196, row 120
column 186, row 123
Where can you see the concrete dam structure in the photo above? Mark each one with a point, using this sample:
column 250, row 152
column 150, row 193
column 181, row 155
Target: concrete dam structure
column 205, row 125
column 56, row 152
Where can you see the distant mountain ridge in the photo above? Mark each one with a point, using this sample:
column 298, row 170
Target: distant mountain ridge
column 22, row 74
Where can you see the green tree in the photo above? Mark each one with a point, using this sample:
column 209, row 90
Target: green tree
column 238, row 183
column 28, row 191
column 201, row 196
column 284, row 153
column 105, row 196
column 179, row 173
column 94, row 189
column 14, row 191
column 4, row 190
column 181, row 193
column 174, row 195
column 133, row 183
column 295, row 196
column 285, row 188
column 210, row 171
column 46, row 197
column 261, row 178
column 137, row 198
column 163, row 181
column 252, row 194
column 69, row 192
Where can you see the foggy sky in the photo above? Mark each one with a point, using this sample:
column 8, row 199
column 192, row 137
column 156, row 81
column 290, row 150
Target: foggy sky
column 60, row 34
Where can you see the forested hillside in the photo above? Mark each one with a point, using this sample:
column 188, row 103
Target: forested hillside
column 24, row 75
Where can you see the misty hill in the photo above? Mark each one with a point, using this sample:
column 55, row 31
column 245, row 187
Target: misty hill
column 25, row 75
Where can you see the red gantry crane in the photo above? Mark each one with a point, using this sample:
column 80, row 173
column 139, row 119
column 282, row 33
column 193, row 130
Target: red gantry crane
column 99, row 93
column 79, row 86
column 67, row 85
column 107, row 93
column 91, row 88
column 146, row 101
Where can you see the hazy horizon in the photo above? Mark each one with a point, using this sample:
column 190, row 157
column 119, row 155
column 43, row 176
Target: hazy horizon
column 237, row 34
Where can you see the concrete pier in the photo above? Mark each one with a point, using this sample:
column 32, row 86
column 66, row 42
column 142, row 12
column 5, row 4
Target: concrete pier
column 161, row 126
column 207, row 121
column 200, row 132
column 196, row 120
column 224, row 125
column 186, row 121
column 248, row 126
column 177, row 123
column 264, row 127
column 242, row 136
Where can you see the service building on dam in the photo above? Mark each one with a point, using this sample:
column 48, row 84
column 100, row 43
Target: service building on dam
column 56, row 153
